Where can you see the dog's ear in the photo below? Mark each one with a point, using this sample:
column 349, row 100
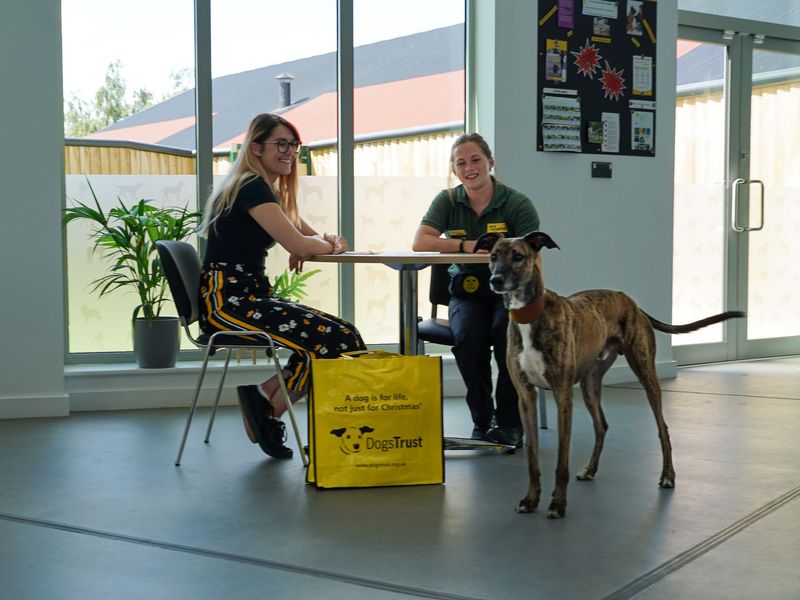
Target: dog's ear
column 486, row 241
column 366, row 429
column 539, row 240
column 339, row 432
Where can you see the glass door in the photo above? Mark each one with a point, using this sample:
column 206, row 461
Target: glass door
column 771, row 222
column 737, row 194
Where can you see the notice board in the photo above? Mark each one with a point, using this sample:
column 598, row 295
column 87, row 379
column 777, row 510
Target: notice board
column 597, row 76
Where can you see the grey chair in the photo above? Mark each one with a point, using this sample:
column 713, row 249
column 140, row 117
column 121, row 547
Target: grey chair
column 182, row 268
column 437, row 330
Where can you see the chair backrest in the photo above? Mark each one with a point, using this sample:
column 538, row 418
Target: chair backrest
column 182, row 267
column 439, row 292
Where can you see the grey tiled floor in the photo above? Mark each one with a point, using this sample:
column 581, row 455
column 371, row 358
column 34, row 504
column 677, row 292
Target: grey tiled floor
column 91, row 506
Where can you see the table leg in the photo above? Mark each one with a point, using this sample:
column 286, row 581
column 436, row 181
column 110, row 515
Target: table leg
column 408, row 311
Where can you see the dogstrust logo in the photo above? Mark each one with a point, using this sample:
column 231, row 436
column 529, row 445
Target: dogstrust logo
column 353, row 440
column 366, row 438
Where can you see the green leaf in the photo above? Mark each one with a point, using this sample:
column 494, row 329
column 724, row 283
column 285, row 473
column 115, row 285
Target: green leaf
column 290, row 284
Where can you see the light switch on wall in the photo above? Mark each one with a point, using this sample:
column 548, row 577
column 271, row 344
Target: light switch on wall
column 601, row 169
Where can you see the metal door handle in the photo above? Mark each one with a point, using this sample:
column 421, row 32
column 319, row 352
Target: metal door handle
column 735, row 205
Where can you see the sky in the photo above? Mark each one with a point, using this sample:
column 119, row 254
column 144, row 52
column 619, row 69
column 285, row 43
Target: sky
column 153, row 38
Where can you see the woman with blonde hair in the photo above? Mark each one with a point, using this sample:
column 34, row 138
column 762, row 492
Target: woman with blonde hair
column 254, row 208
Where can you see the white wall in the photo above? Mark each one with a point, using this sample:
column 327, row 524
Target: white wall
column 614, row 233
column 31, row 168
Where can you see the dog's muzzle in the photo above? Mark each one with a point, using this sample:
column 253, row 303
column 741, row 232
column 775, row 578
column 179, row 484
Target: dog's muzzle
column 496, row 281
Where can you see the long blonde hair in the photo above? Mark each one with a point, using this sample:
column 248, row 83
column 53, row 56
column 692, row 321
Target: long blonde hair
column 477, row 138
column 247, row 167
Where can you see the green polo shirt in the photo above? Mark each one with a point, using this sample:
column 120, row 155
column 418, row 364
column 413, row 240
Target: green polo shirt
column 509, row 212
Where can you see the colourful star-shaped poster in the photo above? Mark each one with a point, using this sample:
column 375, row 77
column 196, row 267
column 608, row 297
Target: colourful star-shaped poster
column 613, row 82
column 587, row 59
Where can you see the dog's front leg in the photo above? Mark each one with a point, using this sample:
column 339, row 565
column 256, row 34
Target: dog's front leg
column 527, row 411
column 563, row 396
column 526, row 393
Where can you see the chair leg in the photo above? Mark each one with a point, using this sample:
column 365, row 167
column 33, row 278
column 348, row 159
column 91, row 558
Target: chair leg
column 285, row 392
column 219, row 394
column 542, row 408
column 192, row 408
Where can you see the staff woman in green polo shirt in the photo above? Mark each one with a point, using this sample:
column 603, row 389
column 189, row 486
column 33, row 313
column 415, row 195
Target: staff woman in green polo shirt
column 478, row 317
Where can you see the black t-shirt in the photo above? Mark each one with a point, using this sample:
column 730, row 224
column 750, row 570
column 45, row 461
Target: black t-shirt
column 236, row 237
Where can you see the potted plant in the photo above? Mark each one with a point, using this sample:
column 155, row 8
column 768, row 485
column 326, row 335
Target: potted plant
column 127, row 235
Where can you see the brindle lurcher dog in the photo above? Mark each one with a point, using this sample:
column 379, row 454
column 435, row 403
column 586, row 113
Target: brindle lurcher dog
column 556, row 341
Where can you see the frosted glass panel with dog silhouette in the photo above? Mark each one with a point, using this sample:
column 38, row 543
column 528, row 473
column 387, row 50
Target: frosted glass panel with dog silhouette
column 104, row 324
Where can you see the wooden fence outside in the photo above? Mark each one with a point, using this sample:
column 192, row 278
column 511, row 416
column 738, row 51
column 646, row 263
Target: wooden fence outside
column 422, row 155
column 102, row 157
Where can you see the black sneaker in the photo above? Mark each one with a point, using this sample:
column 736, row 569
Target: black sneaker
column 479, row 431
column 510, row 436
column 274, row 437
column 262, row 429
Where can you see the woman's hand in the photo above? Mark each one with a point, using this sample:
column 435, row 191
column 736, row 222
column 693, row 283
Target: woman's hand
column 469, row 247
column 338, row 242
column 296, row 263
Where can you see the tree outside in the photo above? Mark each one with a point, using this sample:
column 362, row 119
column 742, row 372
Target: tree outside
column 111, row 102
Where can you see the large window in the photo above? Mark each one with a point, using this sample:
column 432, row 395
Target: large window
column 129, row 116
column 287, row 68
column 409, row 108
column 266, row 56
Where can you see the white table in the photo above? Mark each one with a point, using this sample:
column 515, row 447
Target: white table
column 407, row 263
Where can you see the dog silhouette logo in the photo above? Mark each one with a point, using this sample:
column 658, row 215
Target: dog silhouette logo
column 350, row 438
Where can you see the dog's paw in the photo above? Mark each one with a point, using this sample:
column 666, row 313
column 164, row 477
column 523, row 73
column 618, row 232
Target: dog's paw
column 584, row 475
column 527, row 506
column 556, row 510
column 667, row 483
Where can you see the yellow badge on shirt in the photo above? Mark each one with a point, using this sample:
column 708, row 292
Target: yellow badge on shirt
column 471, row 284
column 496, row 228
column 457, row 233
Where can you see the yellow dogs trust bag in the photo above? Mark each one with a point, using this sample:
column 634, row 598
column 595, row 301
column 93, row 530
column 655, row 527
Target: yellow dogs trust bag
column 375, row 420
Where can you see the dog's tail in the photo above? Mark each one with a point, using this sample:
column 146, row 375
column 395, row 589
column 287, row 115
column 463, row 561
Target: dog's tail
column 689, row 327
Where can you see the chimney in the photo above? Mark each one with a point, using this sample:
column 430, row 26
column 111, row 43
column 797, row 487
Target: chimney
column 285, row 98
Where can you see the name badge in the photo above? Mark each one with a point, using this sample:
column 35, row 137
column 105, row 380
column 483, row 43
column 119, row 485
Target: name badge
column 496, row 228
column 457, row 233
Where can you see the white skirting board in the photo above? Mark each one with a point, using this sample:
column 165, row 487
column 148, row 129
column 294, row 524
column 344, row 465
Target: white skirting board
column 34, row 406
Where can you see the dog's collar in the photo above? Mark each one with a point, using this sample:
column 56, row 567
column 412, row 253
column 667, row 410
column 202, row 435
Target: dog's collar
column 528, row 314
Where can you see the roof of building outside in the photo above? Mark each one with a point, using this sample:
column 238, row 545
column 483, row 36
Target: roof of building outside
column 424, row 71
column 706, row 63
column 239, row 97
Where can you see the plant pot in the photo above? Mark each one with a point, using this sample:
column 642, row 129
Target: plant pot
column 156, row 342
